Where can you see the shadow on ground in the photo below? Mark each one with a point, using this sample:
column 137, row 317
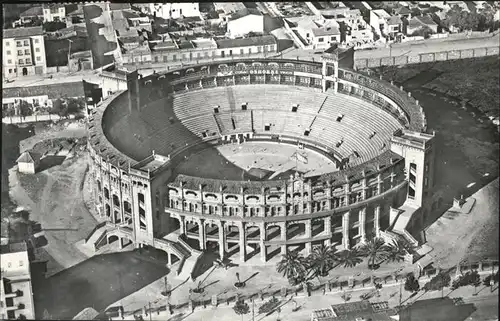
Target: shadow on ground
column 96, row 282
column 50, row 161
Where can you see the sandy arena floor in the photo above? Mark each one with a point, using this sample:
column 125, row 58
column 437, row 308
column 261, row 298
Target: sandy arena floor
column 233, row 161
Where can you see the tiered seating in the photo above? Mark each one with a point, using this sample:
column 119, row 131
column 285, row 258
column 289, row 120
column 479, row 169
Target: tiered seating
column 151, row 131
column 201, row 124
column 193, row 103
column 278, row 97
column 282, row 122
column 359, row 114
column 242, row 121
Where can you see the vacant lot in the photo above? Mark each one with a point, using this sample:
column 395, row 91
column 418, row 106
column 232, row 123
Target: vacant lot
column 466, row 147
column 475, row 81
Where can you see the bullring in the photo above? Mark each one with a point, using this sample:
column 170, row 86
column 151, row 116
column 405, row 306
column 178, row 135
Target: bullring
column 373, row 133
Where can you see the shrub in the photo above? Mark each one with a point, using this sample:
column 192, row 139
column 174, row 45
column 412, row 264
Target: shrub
column 269, row 306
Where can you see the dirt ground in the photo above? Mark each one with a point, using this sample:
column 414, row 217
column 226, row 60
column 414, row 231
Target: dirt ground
column 457, row 236
column 54, row 198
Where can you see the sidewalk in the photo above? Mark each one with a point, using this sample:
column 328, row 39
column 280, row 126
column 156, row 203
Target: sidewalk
column 307, row 304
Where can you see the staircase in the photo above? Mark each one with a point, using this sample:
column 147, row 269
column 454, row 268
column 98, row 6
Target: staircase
column 96, row 237
column 187, row 266
column 230, row 98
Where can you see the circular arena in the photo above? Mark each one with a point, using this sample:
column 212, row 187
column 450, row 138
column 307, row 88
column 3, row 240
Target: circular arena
column 251, row 158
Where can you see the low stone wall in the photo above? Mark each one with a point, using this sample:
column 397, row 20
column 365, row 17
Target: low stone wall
column 415, row 57
column 33, row 118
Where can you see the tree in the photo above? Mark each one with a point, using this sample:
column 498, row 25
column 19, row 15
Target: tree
column 349, row 258
column 438, row 282
column 59, row 107
column 397, row 250
column 411, row 283
column 321, row 260
column 293, row 266
column 425, row 32
column 241, row 308
column 75, row 105
column 25, row 108
column 53, row 26
column 376, row 251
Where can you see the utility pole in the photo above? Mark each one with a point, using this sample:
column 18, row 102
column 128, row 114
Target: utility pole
column 253, row 310
column 150, row 317
column 400, row 294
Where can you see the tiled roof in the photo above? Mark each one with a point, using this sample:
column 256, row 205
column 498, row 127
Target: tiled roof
column 325, row 31
column 214, row 185
column 394, row 20
column 246, row 42
column 426, row 20
column 119, row 6
column 245, row 12
column 28, row 157
column 33, row 11
column 53, row 5
column 23, row 32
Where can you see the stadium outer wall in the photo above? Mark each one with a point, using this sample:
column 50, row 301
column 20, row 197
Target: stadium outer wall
column 349, row 206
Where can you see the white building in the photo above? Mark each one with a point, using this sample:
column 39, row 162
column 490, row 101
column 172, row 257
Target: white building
column 314, row 33
column 28, row 162
column 54, row 12
column 16, row 293
column 386, row 25
column 245, row 21
column 357, row 30
column 171, row 10
column 23, row 52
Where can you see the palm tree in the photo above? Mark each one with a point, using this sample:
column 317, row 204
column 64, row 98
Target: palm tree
column 397, row 250
column 321, row 260
column 293, row 266
column 375, row 250
column 349, row 258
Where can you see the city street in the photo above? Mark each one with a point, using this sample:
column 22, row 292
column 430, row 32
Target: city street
column 485, row 303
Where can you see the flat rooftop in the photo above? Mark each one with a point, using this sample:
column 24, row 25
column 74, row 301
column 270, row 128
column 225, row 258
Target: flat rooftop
column 13, row 248
column 152, row 165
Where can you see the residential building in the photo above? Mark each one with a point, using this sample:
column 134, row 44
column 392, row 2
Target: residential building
column 31, row 14
column 54, row 12
column 37, row 99
column 420, row 22
column 386, row 25
column 313, row 33
column 112, row 80
column 226, row 9
column 171, row 10
column 185, row 51
column 245, row 21
column 16, row 293
column 251, row 45
column 130, row 30
column 355, row 311
column 327, row 8
column 23, row 52
column 28, row 162
column 357, row 30
column 402, row 11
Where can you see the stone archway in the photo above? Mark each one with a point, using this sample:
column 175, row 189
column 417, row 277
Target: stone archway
column 112, row 239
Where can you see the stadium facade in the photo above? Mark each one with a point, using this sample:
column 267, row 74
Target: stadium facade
column 383, row 186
